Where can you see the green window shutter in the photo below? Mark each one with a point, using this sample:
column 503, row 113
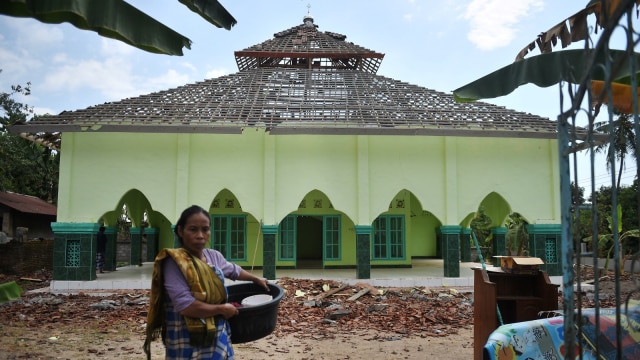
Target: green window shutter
column 380, row 238
column 388, row 238
column 331, row 233
column 229, row 236
column 287, row 231
column 218, row 233
column 396, row 237
column 237, row 236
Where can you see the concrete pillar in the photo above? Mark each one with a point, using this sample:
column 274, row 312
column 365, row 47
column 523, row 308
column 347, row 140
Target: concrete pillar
column 450, row 235
column 269, row 233
column 545, row 241
column 135, row 257
column 363, row 251
column 152, row 244
column 110, row 255
column 465, row 245
column 74, row 251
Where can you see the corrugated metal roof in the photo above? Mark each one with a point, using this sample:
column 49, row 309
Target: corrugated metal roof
column 27, row 204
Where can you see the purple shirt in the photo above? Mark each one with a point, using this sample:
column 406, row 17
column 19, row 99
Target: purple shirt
column 176, row 285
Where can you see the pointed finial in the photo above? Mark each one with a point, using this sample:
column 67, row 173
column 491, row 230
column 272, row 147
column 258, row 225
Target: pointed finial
column 308, row 20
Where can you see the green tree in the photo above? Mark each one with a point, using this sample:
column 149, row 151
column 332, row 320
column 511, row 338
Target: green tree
column 581, row 220
column 627, row 220
column 481, row 226
column 627, row 240
column 577, row 194
column 603, row 204
column 628, row 199
column 623, row 141
column 25, row 167
column 517, row 237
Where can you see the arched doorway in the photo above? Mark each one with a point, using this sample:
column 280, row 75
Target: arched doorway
column 309, row 241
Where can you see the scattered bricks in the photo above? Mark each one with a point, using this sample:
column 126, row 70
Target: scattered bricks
column 339, row 314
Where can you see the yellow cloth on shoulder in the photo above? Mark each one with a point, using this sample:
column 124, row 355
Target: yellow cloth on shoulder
column 205, row 286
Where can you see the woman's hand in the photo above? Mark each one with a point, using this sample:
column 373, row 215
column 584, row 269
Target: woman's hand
column 201, row 309
column 262, row 282
column 228, row 310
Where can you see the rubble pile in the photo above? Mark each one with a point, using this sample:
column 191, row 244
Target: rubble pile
column 324, row 308
column 310, row 308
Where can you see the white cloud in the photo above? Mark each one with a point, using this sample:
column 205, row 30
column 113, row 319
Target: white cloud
column 189, row 66
column 44, row 111
column 14, row 64
column 22, row 45
column 170, row 79
column 60, row 58
column 32, row 34
column 215, row 73
column 493, row 23
column 115, row 48
column 111, row 77
column 413, row 12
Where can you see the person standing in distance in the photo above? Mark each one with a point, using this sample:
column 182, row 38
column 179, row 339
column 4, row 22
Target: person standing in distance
column 100, row 250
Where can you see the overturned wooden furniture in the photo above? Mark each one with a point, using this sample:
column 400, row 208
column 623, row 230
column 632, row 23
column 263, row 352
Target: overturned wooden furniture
column 519, row 297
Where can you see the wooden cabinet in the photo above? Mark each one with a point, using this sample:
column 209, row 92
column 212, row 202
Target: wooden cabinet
column 520, row 297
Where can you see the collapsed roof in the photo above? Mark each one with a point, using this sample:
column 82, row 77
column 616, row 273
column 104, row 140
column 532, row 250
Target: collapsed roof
column 302, row 81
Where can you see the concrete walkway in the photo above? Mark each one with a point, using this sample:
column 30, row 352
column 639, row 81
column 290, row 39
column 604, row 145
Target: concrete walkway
column 425, row 272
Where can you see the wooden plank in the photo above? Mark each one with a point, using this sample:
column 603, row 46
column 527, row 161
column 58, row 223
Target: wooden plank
column 358, row 295
column 331, row 292
column 372, row 289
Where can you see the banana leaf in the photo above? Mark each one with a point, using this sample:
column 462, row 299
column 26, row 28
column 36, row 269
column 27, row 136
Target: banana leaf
column 545, row 70
column 118, row 20
column 212, row 11
column 575, row 28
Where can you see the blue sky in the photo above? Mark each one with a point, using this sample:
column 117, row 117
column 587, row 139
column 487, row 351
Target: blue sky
column 440, row 45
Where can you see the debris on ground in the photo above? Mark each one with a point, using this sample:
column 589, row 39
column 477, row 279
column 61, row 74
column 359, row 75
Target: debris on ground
column 329, row 308
column 317, row 309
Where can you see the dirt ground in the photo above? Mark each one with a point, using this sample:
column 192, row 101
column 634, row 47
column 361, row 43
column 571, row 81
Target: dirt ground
column 416, row 323
column 361, row 345
column 84, row 342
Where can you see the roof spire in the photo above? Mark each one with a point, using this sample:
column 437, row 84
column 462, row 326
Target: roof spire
column 308, row 19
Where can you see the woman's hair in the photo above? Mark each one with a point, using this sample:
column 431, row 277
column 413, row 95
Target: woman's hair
column 186, row 214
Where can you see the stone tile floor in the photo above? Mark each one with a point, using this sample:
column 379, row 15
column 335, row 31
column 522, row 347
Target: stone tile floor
column 425, row 272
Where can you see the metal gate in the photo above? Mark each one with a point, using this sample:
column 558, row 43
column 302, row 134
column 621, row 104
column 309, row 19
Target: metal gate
column 584, row 125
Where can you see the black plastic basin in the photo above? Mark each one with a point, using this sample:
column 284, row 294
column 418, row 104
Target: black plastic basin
column 253, row 322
